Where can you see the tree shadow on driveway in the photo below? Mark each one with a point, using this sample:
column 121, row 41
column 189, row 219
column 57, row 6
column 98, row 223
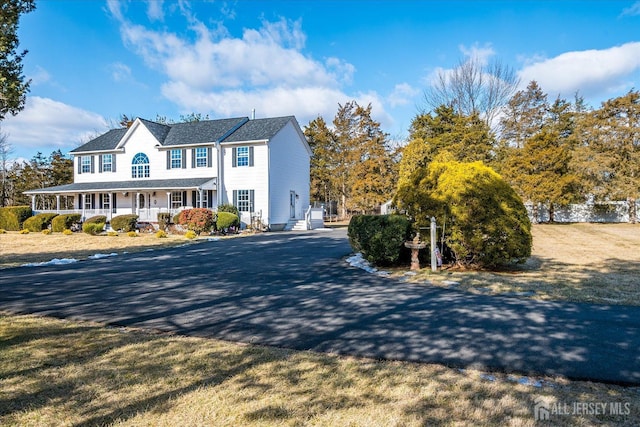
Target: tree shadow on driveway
column 295, row 291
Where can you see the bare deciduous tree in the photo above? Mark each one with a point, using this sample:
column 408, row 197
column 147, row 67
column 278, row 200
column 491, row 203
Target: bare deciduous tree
column 473, row 87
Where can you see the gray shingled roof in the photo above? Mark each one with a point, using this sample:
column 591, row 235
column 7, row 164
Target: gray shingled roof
column 149, row 184
column 201, row 132
column 158, row 130
column 224, row 130
column 259, row 129
column 107, row 141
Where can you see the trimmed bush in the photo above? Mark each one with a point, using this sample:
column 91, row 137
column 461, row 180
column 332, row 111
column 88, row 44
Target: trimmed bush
column 197, row 219
column 97, row 219
column 12, row 217
column 24, row 231
column 160, row 234
column 64, row 222
column 46, row 231
column 380, row 238
column 3, row 231
column 93, row 228
column 112, row 233
column 226, row 220
column 176, row 218
column 228, row 207
column 190, row 234
column 164, row 219
column 124, row 223
column 486, row 222
column 67, row 232
column 132, row 234
column 39, row 222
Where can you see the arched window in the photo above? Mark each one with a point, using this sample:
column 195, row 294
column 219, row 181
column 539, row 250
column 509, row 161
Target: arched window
column 140, row 166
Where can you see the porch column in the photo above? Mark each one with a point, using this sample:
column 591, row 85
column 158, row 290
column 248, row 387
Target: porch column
column 168, row 201
column 84, row 204
column 33, row 202
column 201, row 191
column 138, row 204
column 58, row 203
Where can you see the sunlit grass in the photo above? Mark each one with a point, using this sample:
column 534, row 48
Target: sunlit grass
column 597, row 263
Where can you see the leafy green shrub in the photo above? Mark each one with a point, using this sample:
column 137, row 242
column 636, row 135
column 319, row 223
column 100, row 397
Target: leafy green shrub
column 64, row 222
column 96, row 219
column 164, row 219
column 486, row 223
column 93, row 228
column 228, row 207
column 160, row 234
column 176, row 218
column 12, row 217
column 132, row 234
column 46, row 231
column 112, row 233
column 226, row 220
column 380, row 238
column 24, row 231
column 39, row 222
column 124, row 223
column 197, row 219
column 67, row 232
column 190, row 234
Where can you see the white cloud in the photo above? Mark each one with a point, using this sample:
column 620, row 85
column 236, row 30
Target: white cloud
column 154, row 10
column 479, row 53
column 633, row 10
column 120, row 72
column 594, row 73
column 402, row 94
column 40, row 76
column 212, row 71
column 45, row 123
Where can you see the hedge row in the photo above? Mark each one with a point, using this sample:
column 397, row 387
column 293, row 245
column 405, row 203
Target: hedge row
column 64, row 222
column 13, row 217
column 39, row 222
column 380, row 238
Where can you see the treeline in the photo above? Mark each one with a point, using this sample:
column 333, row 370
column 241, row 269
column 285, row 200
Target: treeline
column 552, row 153
column 39, row 172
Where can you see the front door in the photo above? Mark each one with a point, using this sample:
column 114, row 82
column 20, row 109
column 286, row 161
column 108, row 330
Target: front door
column 292, row 204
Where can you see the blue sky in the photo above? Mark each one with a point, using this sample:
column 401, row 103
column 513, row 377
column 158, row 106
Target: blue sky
column 91, row 61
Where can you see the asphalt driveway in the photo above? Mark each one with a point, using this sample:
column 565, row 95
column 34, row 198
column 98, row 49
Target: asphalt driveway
column 296, row 291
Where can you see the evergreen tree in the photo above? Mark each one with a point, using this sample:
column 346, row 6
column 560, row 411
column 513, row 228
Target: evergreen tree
column 608, row 156
column 13, row 87
column 322, row 165
column 353, row 162
column 465, row 138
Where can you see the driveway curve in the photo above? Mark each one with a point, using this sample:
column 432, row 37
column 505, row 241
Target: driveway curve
column 295, row 290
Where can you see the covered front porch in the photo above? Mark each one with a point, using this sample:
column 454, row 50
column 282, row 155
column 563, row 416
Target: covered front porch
column 144, row 198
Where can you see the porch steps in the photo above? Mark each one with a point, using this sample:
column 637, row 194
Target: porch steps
column 296, row 225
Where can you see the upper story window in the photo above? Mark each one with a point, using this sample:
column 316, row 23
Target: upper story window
column 107, row 163
column 85, row 164
column 176, row 159
column 140, row 166
column 242, row 156
column 201, row 157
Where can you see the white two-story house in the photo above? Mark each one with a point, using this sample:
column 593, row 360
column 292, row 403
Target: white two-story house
column 261, row 166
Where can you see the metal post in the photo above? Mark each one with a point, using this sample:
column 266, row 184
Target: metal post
column 434, row 261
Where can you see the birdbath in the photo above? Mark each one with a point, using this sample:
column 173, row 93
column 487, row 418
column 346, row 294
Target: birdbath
column 415, row 245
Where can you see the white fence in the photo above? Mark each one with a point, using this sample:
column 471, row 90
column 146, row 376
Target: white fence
column 583, row 212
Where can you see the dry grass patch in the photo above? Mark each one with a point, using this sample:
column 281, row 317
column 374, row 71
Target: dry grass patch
column 56, row 373
column 596, row 263
column 17, row 249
